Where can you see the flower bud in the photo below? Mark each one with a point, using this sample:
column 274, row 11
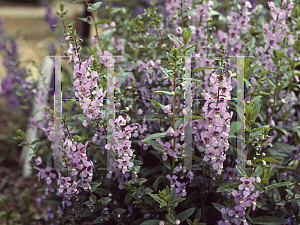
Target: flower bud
column 68, row 38
column 62, row 6
column 269, row 110
column 249, row 162
column 257, row 180
column 89, row 9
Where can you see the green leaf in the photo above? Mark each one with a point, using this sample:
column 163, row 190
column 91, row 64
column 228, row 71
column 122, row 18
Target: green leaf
column 269, row 220
column 167, row 73
column 241, row 172
column 268, row 159
column 234, row 60
column 85, row 20
column 218, row 206
column 36, row 141
column 151, row 222
column 94, row 186
column 93, row 199
column 202, row 68
column 258, row 204
column 198, row 216
column 86, row 213
column 158, row 147
column 272, row 186
column 25, row 200
column 170, row 218
column 156, row 103
column 287, row 58
column 106, row 34
column 158, row 199
column 190, row 51
column 227, row 186
column 154, row 136
column 287, row 168
column 188, row 48
column 248, row 84
column 200, row 160
column 85, row 135
column 102, row 22
column 264, row 181
column 119, row 211
column 173, row 195
column 96, row 5
column 177, row 39
column 99, row 220
column 260, row 128
column 105, row 200
column 164, row 92
column 128, row 197
column 280, row 129
column 174, row 202
column 185, row 214
column 158, row 181
column 257, row 172
column 55, row 200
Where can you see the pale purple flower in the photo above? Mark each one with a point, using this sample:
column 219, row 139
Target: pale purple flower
column 139, row 112
column 112, row 24
column 178, row 30
column 170, row 131
column 257, row 180
column 247, row 184
column 38, row 161
column 94, row 41
column 167, row 109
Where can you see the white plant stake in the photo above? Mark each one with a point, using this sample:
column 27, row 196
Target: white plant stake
column 31, row 133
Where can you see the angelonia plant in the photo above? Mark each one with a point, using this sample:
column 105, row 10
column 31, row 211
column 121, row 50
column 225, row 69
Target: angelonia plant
column 150, row 182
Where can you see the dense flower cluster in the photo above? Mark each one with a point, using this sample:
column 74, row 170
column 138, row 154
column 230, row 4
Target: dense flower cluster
column 122, row 143
column 78, row 168
column 50, row 19
column 215, row 138
column 243, row 200
column 175, row 183
column 16, row 77
column 143, row 79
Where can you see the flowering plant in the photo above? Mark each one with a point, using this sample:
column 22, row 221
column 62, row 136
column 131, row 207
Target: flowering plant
column 147, row 135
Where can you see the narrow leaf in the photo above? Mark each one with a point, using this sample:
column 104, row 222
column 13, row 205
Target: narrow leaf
column 96, row 5
column 272, row 186
column 202, row 68
column 227, row 186
column 158, row 181
column 185, row 214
